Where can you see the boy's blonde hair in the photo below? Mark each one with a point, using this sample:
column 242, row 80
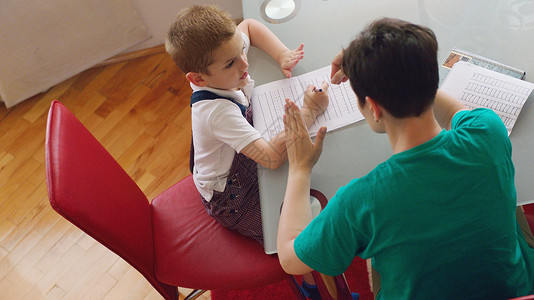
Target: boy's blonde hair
column 195, row 35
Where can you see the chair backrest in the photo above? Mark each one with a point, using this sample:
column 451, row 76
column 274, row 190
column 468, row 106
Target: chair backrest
column 89, row 188
column 528, row 209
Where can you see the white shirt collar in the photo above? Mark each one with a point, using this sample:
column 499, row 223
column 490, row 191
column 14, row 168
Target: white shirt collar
column 242, row 96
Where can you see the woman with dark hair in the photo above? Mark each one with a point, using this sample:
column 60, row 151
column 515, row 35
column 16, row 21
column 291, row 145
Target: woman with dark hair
column 438, row 218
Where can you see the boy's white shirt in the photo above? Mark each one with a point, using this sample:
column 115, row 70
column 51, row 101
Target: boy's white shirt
column 219, row 131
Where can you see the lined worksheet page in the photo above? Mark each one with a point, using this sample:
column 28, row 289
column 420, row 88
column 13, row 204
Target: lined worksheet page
column 479, row 87
column 268, row 103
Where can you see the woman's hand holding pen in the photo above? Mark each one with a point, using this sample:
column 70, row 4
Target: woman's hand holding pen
column 302, row 153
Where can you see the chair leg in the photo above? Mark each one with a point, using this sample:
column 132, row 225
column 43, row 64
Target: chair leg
column 295, row 288
column 332, row 287
column 194, row 294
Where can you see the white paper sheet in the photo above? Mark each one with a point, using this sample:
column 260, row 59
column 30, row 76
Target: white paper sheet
column 268, row 103
column 479, row 87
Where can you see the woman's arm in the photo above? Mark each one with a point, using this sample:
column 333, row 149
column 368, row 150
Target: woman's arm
column 445, row 107
column 296, row 211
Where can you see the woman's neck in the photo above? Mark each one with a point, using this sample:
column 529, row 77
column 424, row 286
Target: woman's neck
column 407, row 133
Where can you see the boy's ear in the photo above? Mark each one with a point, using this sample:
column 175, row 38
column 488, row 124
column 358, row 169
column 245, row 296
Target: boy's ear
column 196, row 79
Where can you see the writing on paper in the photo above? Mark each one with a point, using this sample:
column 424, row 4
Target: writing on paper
column 268, row 103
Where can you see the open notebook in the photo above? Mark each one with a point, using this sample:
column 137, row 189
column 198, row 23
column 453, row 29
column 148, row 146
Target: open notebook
column 476, row 87
column 268, row 101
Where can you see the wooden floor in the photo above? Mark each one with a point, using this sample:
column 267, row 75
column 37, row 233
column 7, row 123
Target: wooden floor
column 139, row 110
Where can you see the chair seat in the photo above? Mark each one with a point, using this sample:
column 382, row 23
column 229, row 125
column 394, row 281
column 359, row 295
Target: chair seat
column 204, row 254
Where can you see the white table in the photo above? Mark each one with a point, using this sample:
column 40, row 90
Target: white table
column 497, row 29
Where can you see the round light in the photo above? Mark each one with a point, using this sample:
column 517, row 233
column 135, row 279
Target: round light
column 278, row 11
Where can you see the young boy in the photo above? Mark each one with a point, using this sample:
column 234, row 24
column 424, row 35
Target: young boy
column 212, row 51
column 438, row 218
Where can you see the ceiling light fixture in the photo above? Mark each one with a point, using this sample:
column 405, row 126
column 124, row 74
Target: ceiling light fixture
column 279, row 11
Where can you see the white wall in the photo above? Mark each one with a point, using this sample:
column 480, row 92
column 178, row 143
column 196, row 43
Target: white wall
column 159, row 14
column 45, row 42
column 37, row 51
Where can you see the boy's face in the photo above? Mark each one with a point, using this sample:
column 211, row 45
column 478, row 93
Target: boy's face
column 229, row 69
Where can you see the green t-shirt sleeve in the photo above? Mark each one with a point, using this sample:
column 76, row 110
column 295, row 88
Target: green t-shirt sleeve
column 479, row 118
column 491, row 132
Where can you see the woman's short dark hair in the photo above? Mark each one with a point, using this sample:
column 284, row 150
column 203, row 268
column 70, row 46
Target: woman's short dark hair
column 394, row 63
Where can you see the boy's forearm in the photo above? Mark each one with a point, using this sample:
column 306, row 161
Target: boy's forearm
column 445, row 107
column 272, row 154
column 309, row 115
column 263, row 38
column 278, row 144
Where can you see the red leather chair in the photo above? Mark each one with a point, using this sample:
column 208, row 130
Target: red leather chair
column 528, row 209
column 171, row 241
